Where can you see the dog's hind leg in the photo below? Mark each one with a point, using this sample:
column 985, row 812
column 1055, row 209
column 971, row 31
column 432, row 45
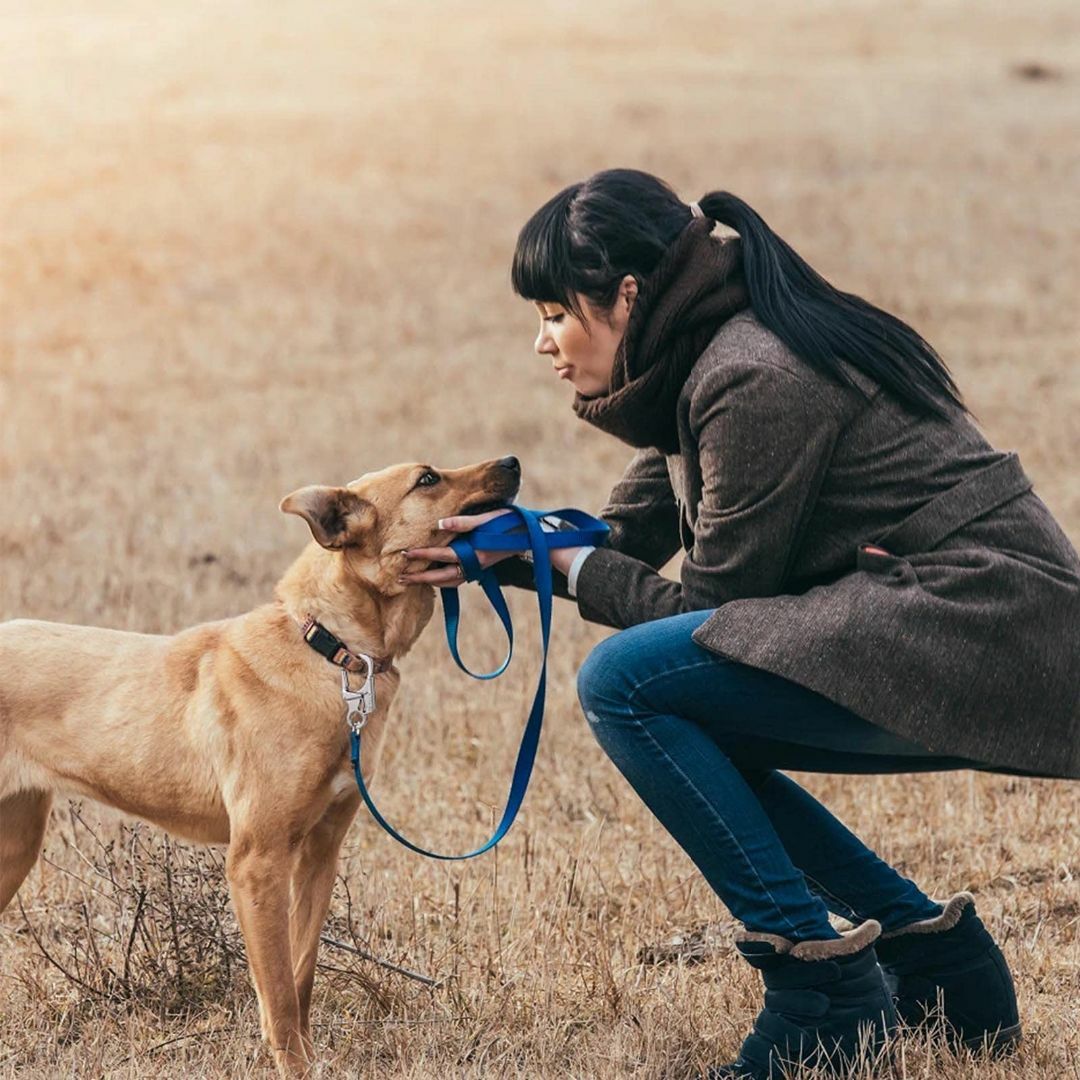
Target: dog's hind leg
column 312, row 884
column 23, row 816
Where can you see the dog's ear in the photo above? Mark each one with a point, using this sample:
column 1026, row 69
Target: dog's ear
column 337, row 516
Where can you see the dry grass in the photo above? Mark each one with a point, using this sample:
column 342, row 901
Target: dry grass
column 247, row 247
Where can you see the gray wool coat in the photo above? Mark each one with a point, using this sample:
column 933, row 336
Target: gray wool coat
column 960, row 632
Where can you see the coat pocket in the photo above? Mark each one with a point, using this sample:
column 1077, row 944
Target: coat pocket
column 884, row 566
column 686, row 530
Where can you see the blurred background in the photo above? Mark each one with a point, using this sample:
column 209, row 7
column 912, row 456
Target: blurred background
column 246, row 247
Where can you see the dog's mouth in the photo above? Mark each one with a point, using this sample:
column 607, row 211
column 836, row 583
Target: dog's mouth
column 486, row 505
column 499, row 492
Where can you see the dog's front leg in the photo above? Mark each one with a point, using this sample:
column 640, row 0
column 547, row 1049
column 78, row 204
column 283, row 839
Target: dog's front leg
column 312, row 883
column 259, row 883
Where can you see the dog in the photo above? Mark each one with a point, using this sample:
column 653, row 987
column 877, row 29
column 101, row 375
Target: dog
column 233, row 732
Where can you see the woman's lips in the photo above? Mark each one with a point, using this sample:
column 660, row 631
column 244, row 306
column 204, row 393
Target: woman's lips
column 565, row 372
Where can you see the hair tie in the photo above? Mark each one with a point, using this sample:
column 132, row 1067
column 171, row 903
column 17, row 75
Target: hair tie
column 696, row 210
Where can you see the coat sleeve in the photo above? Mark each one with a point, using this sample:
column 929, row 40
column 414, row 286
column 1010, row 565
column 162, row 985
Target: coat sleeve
column 764, row 439
column 642, row 513
column 643, row 517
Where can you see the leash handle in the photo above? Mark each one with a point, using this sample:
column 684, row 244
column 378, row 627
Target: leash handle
column 518, row 531
column 505, row 533
column 511, row 532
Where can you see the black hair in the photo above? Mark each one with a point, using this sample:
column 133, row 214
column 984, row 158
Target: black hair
column 590, row 235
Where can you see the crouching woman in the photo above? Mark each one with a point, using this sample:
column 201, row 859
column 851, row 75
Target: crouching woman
column 868, row 587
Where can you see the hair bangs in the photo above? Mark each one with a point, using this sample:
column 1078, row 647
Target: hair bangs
column 543, row 267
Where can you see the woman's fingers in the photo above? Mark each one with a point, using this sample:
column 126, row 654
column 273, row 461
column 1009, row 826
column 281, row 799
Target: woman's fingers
column 443, row 575
column 468, row 522
column 448, row 555
column 432, row 554
column 446, row 575
column 450, row 575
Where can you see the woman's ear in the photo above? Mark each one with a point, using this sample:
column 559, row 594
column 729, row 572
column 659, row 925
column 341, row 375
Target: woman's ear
column 628, row 290
column 337, row 516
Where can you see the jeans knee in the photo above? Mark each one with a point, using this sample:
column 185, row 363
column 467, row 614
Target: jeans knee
column 602, row 683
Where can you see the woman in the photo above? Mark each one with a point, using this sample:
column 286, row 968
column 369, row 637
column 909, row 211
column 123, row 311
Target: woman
column 868, row 587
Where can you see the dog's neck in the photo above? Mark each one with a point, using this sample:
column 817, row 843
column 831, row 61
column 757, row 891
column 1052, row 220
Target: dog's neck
column 357, row 598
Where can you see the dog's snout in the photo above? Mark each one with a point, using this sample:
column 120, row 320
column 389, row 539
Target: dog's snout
column 510, row 463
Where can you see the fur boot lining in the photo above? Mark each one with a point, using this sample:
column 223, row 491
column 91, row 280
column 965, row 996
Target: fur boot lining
column 954, row 908
column 850, row 941
column 780, row 944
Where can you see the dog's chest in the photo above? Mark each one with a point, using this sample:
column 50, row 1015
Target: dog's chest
column 343, row 783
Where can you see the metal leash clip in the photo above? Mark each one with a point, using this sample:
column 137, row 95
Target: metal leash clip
column 359, row 704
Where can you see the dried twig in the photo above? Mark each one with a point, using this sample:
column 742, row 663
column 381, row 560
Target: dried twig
column 427, row 980
column 52, row 960
column 169, row 1042
column 131, row 939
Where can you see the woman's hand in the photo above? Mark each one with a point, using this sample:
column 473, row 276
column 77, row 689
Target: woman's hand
column 449, row 576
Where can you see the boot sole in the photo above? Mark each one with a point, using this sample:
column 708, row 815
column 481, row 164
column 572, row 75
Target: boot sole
column 997, row 1043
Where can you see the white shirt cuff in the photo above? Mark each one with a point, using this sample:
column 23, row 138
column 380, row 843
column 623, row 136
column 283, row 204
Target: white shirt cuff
column 575, row 568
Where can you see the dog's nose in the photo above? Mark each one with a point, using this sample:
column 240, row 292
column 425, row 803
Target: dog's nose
column 510, row 463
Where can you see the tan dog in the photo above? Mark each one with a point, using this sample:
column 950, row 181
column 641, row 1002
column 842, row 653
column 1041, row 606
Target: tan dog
column 233, row 731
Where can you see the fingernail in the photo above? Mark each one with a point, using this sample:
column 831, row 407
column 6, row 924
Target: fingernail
column 439, row 524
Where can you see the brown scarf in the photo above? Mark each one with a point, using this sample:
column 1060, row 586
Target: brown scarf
column 696, row 286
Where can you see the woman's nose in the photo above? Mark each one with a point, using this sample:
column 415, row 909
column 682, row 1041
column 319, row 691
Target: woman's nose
column 545, row 345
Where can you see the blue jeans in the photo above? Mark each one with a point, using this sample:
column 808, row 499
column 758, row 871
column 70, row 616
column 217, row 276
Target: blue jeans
column 700, row 738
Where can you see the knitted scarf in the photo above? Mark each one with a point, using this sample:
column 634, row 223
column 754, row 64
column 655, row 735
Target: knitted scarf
column 696, row 286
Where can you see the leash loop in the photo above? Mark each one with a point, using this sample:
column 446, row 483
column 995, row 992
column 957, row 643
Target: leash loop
column 519, row 530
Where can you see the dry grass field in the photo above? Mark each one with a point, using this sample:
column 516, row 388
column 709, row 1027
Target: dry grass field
column 251, row 246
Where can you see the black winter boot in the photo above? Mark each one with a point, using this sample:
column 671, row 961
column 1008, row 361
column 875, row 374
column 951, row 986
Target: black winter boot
column 953, row 956
column 826, row 1005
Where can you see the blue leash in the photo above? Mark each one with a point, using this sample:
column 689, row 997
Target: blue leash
column 503, row 533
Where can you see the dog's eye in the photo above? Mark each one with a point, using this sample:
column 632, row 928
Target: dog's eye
column 428, row 479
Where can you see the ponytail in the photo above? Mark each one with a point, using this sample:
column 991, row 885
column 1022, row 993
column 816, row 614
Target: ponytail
column 585, row 239
column 823, row 325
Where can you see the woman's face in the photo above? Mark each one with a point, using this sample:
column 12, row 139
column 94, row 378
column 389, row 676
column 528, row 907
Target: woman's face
column 583, row 353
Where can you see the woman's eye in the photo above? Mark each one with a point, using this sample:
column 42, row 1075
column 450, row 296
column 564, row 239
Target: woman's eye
column 554, row 318
column 428, row 479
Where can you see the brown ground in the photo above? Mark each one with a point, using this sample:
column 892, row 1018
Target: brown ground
column 247, row 247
